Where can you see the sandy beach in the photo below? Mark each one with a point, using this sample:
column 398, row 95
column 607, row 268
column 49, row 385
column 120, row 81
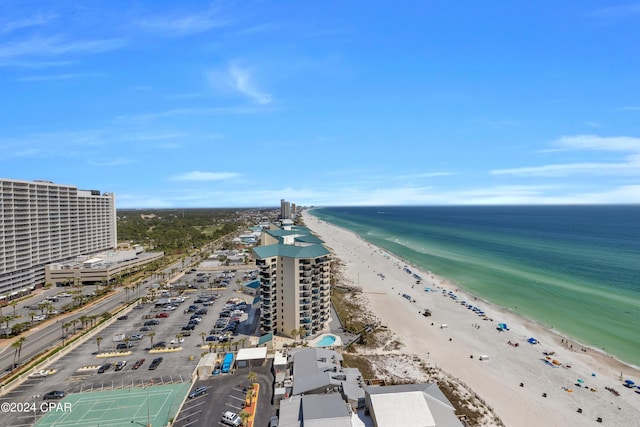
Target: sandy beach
column 554, row 382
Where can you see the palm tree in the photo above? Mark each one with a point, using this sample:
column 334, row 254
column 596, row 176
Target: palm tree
column 252, row 377
column 17, row 345
column 83, row 319
column 211, row 345
column 98, row 340
column 32, row 315
column 151, row 335
column 202, row 335
column 244, row 415
column 294, row 333
column 13, row 304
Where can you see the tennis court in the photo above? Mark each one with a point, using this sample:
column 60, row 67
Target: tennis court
column 154, row 405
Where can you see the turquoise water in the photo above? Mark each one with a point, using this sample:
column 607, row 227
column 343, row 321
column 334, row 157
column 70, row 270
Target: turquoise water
column 573, row 268
column 326, row 341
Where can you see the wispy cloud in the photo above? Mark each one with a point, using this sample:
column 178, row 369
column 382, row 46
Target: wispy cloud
column 243, row 82
column 114, row 162
column 629, row 164
column 20, row 24
column 53, row 77
column 54, row 46
column 187, row 112
column 623, row 10
column 204, row 176
column 178, row 26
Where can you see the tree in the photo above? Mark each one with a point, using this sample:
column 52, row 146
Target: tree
column 294, row 333
column 244, row 415
column 302, row 332
column 17, row 345
column 13, row 304
column 151, row 335
column 84, row 320
column 98, row 341
column 202, row 335
column 252, row 377
column 32, row 315
column 211, row 345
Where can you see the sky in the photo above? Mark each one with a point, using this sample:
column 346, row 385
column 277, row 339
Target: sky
column 243, row 103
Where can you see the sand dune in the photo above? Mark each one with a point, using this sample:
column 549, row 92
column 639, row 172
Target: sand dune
column 572, row 376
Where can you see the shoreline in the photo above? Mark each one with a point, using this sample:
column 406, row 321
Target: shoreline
column 465, row 335
column 570, row 340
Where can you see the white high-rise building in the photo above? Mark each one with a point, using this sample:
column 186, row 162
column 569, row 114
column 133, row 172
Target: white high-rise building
column 42, row 222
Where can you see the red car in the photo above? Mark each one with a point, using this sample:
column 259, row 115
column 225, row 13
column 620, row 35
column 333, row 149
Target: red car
column 163, row 314
column 137, row 364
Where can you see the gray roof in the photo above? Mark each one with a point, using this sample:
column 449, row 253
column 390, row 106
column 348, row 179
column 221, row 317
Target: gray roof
column 315, row 410
column 319, row 369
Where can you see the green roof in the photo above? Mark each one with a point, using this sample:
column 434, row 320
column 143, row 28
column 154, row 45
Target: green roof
column 290, row 251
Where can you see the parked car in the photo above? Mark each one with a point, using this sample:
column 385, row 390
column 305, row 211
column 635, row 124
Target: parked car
column 189, row 327
column 231, row 419
column 120, row 365
column 151, row 323
column 155, row 363
column 136, row 337
column 56, row 394
column 199, row 391
column 161, row 315
column 139, row 307
column 212, row 338
column 124, row 346
column 104, row 368
column 145, row 329
column 39, row 374
column 138, row 363
column 160, row 344
column 273, row 421
column 125, row 317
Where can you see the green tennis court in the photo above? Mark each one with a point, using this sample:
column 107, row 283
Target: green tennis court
column 154, row 405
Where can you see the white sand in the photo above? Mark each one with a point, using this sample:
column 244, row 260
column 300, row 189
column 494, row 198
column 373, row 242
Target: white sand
column 496, row 380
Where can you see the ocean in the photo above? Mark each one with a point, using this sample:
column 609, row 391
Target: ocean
column 573, row 268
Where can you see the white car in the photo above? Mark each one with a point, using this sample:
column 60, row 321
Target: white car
column 176, row 341
column 169, row 308
column 39, row 317
column 39, row 374
column 64, row 295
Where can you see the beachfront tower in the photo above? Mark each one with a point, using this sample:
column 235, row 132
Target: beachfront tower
column 42, row 222
column 294, row 270
column 285, row 209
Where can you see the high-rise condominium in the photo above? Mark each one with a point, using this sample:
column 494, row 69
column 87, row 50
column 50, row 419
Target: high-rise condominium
column 42, row 222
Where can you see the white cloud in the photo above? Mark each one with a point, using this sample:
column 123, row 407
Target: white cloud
column 54, row 46
column 33, row 21
column 204, row 176
column 53, row 77
column 177, row 26
column 243, row 83
column 629, row 164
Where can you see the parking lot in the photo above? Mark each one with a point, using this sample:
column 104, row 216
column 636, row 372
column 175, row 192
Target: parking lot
column 227, row 393
column 78, row 370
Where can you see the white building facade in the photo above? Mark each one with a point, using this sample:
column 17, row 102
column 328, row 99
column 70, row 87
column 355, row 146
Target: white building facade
column 42, row 222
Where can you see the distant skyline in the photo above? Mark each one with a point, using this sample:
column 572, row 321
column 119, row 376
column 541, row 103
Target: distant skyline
column 243, row 103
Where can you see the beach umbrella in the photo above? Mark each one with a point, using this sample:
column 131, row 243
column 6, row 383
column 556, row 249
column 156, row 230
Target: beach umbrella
column 629, row 382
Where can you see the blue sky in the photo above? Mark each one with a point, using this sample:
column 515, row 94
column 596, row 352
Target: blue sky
column 242, row 103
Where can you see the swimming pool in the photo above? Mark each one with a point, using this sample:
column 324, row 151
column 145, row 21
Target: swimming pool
column 326, row 341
